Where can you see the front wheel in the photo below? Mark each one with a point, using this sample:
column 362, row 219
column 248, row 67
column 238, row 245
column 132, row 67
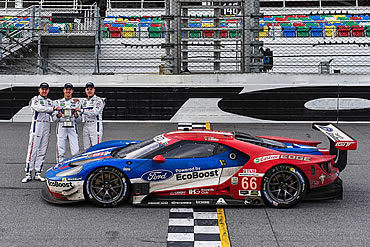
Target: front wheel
column 283, row 186
column 107, row 187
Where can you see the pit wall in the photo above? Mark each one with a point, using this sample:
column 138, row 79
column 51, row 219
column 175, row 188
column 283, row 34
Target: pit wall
column 217, row 98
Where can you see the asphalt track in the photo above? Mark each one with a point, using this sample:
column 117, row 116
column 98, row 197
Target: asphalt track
column 26, row 220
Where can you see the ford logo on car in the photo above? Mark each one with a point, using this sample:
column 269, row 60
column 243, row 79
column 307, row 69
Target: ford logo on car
column 157, row 175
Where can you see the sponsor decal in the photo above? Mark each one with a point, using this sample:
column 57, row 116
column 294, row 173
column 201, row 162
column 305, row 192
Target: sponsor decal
column 126, row 169
column 157, row 175
column 195, row 168
column 266, row 158
column 283, row 156
column 234, row 180
column 180, row 203
column 72, row 179
column 200, row 191
column 249, row 170
column 158, row 203
column 322, row 178
column 60, row 184
column 210, row 138
column 181, row 192
column 202, row 202
column 196, row 175
column 221, row 201
column 251, row 174
column 223, row 162
column 295, row 157
column 344, row 143
column 97, row 154
column 326, row 129
column 161, row 139
column 314, row 183
column 249, row 193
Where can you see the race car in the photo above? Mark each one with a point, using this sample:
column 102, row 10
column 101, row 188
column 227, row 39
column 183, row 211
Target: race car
column 200, row 167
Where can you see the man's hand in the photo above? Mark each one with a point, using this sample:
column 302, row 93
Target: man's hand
column 59, row 115
column 58, row 108
column 78, row 109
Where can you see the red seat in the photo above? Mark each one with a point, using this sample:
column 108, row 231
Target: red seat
column 298, row 24
column 114, row 32
column 343, row 31
column 358, row 31
column 208, row 33
column 224, row 33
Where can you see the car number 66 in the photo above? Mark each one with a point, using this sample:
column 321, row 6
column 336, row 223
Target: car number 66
column 249, row 184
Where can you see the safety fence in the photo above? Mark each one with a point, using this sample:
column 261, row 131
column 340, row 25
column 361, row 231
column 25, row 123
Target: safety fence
column 183, row 37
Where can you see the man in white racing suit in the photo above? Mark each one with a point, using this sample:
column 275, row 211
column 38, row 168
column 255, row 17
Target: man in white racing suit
column 66, row 127
column 92, row 113
column 42, row 108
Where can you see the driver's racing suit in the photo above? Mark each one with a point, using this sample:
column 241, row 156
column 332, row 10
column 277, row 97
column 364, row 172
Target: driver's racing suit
column 92, row 113
column 64, row 133
column 39, row 133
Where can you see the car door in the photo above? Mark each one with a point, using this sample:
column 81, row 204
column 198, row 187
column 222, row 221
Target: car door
column 194, row 164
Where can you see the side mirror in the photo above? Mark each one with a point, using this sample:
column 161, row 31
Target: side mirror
column 159, row 159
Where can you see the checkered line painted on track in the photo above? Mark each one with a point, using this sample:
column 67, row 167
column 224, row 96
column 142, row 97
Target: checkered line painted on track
column 195, row 227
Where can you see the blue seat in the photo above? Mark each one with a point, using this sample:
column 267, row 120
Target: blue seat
column 144, row 24
column 118, row 25
column 316, row 32
column 268, row 19
column 19, row 25
column 54, row 30
column 192, row 24
column 289, row 32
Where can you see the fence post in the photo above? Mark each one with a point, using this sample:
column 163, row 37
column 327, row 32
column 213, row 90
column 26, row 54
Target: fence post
column 97, row 42
column 176, row 36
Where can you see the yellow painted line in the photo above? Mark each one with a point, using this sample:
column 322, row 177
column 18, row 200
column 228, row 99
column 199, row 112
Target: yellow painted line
column 224, row 235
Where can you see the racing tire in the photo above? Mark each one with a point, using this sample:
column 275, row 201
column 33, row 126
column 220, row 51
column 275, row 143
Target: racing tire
column 107, row 187
column 283, row 186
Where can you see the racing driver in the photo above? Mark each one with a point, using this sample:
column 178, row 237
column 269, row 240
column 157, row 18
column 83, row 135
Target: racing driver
column 63, row 130
column 42, row 108
column 92, row 115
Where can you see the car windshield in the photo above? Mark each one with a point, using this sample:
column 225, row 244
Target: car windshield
column 136, row 150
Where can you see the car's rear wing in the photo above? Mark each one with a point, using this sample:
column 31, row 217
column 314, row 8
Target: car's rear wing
column 340, row 142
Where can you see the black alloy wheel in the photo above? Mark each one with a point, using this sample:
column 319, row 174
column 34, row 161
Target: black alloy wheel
column 283, row 186
column 107, row 187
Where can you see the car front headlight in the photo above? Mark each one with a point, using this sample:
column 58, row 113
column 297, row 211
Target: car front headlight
column 70, row 172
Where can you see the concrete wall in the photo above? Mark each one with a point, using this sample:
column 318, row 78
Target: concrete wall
column 243, row 98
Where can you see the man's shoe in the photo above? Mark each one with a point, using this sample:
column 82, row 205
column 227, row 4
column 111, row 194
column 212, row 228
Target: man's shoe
column 39, row 178
column 27, row 178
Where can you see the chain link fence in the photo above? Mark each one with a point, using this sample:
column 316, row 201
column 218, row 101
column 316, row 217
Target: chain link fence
column 185, row 36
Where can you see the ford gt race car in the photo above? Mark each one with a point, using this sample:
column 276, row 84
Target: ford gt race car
column 203, row 168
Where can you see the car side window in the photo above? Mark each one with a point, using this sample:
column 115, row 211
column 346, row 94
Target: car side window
column 192, row 150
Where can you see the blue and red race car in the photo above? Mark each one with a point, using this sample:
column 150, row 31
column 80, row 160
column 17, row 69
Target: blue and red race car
column 203, row 168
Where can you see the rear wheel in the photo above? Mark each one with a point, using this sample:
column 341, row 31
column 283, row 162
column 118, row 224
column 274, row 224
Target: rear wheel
column 107, row 187
column 283, row 186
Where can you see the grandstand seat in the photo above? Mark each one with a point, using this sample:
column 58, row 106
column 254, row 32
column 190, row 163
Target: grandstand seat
column 128, row 32
column 54, row 29
column 358, row 31
column 289, row 32
column 105, row 32
column 264, row 33
column 154, row 32
column 367, row 31
column 235, row 33
column 302, row 31
column 224, row 33
column 208, row 33
column 316, row 32
column 343, row 31
column 114, row 32
column 330, row 31
column 195, row 34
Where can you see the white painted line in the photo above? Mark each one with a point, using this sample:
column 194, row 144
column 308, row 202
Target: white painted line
column 206, row 229
column 181, row 222
column 207, row 244
column 181, row 210
column 205, row 215
column 180, row 237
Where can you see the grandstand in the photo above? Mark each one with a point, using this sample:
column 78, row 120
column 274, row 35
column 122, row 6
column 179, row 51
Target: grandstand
column 65, row 37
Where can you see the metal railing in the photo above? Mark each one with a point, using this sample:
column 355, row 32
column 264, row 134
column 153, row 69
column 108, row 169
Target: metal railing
column 196, row 39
